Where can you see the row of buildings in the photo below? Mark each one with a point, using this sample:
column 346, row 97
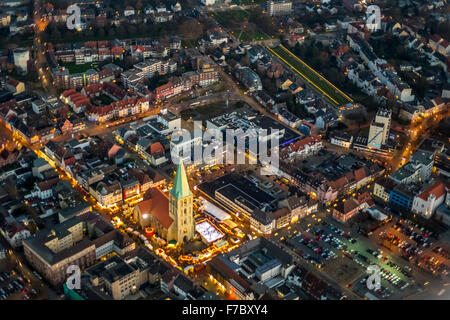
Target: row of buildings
column 266, row 210
column 413, row 187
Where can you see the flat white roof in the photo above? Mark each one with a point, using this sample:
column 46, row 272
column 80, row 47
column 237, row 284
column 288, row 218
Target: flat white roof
column 208, row 231
column 214, row 211
column 377, row 214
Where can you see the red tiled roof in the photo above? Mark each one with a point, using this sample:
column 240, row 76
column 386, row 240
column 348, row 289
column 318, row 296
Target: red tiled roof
column 101, row 110
column 164, row 87
column 103, row 44
column 438, row 189
column 339, row 183
column 14, row 227
column 45, row 185
column 69, row 92
column 156, row 148
column 360, row 174
column 349, row 175
column 116, row 50
column 158, row 207
column 91, row 44
column 436, row 38
column 93, row 88
column 348, row 206
column 13, row 82
column 114, row 149
column 445, row 43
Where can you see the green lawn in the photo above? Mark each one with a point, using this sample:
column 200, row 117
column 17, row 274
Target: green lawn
column 247, row 36
column 79, row 68
column 232, row 18
column 104, row 99
column 248, row 2
column 317, row 81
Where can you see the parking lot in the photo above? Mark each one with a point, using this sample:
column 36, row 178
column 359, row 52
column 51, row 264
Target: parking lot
column 345, row 255
column 405, row 238
column 14, row 287
column 416, row 245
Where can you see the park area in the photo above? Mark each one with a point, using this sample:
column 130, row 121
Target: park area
column 311, row 76
column 79, row 68
column 237, row 22
column 204, row 112
column 247, row 2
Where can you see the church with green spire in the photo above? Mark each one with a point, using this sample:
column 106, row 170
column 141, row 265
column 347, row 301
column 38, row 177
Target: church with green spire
column 181, row 208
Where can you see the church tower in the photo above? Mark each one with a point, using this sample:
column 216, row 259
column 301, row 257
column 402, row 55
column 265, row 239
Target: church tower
column 180, row 208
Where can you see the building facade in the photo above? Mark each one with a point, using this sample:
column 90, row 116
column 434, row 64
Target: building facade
column 180, row 208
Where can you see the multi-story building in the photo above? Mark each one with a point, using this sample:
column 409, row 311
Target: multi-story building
column 379, row 129
column 257, row 262
column 278, row 8
column 38, row 106
column 342, row 139
column 2, row 252
column 207, row 75
column 21, row 58
column 249, row 78
column 402, row 196
column 52, row 251
column 107, row 193
column 78, row 240
column 382, row 188
column 418, row 169
column 118, row 278
column 147, row 69
column 426, row 202
column 15, row 233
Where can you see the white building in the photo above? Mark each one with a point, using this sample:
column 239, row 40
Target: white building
column 379, row 129
column 15, row 232
column 38, row 106
column 106, row 194
column 182, row 145
column 21, row 58
column 208, row 2
column 129, row 11
column 278, row 8
column 418, row 169
column 2, row 252
column 343, row 140
column 427, row 201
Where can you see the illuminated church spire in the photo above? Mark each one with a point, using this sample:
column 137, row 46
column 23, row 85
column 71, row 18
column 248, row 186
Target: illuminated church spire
column 180, row 187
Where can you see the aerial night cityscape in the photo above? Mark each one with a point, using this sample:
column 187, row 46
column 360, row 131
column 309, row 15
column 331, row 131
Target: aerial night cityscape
column 224, row 150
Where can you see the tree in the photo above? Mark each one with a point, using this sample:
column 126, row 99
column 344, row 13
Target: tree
column 245, row 61
column 191, row 29
column 111, row 32
column 128, row 61
column 101, row 33
column 139, row 5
